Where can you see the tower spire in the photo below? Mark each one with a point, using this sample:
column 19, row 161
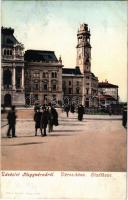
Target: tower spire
column 83, row 48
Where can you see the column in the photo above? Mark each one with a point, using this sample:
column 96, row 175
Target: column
column 22, row 82
column 14, row 77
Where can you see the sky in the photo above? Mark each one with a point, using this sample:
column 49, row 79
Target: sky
column 53, row 25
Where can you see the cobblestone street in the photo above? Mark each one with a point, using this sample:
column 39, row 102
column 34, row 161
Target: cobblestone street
column 98, row 143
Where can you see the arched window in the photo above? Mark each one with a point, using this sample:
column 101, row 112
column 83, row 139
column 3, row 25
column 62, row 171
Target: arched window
column 77, row 90
column 44, row 75
column 45, row 85
column 54, row 85
column 10, row 52
column 5, row 51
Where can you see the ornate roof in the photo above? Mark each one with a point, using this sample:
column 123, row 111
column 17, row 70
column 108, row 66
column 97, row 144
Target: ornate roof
column 74, row 71
column 40, row 55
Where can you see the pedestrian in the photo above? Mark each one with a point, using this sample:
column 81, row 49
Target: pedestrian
column 55, row 116
column 37, row 119
column 44, row 120
column 72, row 108
column 67, row 108
column 50, row 120
column 80, row 112
column 110, row 110
column 124, row 117
column 11, row 117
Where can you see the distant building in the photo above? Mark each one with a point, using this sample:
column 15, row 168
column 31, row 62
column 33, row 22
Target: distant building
column 72, row 84
column 107, row 93
column 12, row 69
column 43, row 77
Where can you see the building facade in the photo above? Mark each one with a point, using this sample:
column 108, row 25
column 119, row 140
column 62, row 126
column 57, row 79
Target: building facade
column 43, row 77
column 38, row 76
column 107, row 93
column 12, row 69
column 72, row 84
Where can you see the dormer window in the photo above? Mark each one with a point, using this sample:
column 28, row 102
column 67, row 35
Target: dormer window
column 7, row 52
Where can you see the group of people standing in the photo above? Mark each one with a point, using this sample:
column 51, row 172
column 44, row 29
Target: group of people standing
column 47, row 117
column 44, row 117
column 71, row 108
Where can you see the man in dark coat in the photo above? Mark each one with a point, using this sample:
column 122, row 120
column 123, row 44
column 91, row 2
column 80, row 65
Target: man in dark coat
column 124, row 118
column 72, row 108
column 67, row 109
column 44, row 120
column 11, row 117
column 50, row 120
column 80, row 112
column 55, row 116
column 37, row 119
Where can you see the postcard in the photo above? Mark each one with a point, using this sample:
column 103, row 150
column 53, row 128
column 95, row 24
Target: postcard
column 64, row 100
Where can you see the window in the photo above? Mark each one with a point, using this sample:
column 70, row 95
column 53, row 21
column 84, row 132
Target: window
column 87, row 90
column 69, row 82
column 87, row 83
column 8, row 52
column 87, row 77
column 45, row 86
column 54, row 87
column 44, row 75
column 36, row 75
column 4, row 51
column 54, row 75
column 77, row 90
column 36, row 85
column 36, row 96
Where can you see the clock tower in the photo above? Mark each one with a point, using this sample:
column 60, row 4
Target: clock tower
column 83, row 49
